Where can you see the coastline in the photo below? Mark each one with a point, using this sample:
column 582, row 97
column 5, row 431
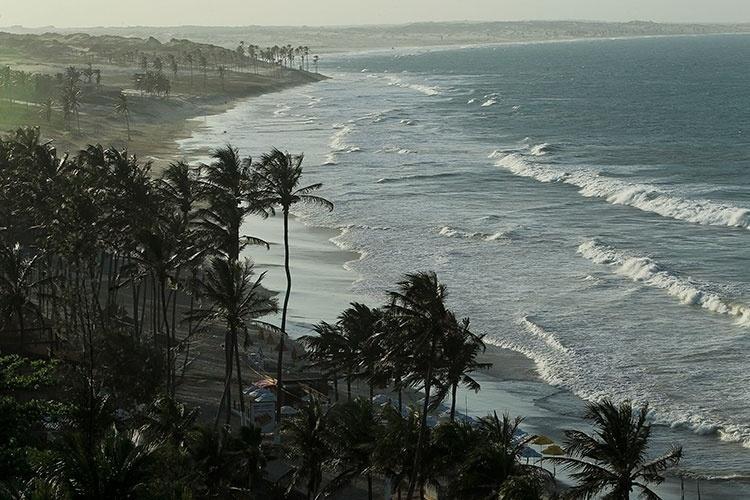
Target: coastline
column 513, row 385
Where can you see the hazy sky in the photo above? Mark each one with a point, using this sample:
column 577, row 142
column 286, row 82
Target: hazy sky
column 74, row 13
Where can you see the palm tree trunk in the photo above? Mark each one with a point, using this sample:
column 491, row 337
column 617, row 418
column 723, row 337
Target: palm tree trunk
column 423, row 423
column 348, row 387
column 369, row 486
column 240, row 395
column 279, row 370
column 453, row 402
column 335, row 387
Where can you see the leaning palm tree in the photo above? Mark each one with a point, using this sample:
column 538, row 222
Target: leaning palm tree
column 237, row 300
column 614, row 460
column 122, row 107
column 277, row 178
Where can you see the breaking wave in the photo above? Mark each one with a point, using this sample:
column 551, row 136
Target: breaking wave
column 451, row 232
column 642, row 196
column 424, row 89
column 651, row 273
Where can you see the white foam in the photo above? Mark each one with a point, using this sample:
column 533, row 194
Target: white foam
column 489, row 102
column 650, row 273
column 424, row 89
column 642, row 196
column 540, row 149
column 451, row 232
column 538, row 330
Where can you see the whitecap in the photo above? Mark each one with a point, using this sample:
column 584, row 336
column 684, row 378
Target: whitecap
column 617, row 192
column 648, row 272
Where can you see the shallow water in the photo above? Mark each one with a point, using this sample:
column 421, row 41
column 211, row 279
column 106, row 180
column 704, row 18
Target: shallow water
column 586, row 203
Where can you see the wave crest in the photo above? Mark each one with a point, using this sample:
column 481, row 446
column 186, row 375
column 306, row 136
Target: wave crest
column 641, row 196
column 651, row 273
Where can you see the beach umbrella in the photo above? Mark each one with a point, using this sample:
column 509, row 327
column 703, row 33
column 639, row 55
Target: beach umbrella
column 542, row 441
column 527, row 452
column 553, row 450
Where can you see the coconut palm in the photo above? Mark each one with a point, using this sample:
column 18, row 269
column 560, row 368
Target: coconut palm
column 237, row 300
column 46, row 109
column 71, row 99
column 277, row 177
column 118, row 466
column 308, row 446
column 459, row 360
column 122, row 107
column 18, row 282
column 614, row 459
column 496, row 458
column 327, row 350
column 360, row 325
column 419, row 303
column 228, row 187
column 353, row 436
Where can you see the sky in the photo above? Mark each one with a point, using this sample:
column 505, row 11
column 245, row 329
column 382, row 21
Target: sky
column 80, row 13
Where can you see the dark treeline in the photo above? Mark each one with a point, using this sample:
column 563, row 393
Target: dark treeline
column 107, row 272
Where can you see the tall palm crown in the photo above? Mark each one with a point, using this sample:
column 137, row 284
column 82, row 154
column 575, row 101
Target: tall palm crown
column 233, row 296
column 359, row 324
column 614, row 459
column 227, row 186
column 278, row 175
column 277, row 178
column 460, row 348
column 420, row 304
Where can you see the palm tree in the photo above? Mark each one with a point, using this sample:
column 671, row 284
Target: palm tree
column 359, row 325
column 615, row 458
column 277, row 178
column 495, row 459
column 420, row 304
column 460, row 350
column 353, row 436
column 307, row 446
column 122, row 108
column 327, row 351
column 18, row 282
column 47, row 107
column 118, row 466
column 237, row 301
column 72, row 101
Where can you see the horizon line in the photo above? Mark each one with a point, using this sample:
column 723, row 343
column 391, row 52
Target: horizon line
column 375, row 25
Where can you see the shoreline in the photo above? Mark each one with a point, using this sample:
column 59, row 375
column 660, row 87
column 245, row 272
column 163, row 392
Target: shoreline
column 514, row 383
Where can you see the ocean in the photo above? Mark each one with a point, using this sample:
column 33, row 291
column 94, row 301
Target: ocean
column 586, row 203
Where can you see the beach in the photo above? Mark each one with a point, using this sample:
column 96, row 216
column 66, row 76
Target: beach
column 544, row 253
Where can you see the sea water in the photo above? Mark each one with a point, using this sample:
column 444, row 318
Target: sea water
column 587, row 204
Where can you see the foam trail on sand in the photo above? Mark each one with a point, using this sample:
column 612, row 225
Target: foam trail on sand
column 617, row 192
column 651, row 273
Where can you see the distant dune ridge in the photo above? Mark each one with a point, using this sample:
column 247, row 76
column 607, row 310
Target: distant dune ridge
column 340, row 38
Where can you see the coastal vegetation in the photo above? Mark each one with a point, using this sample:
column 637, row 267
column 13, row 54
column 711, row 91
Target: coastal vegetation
column 78, row 84
column 108, row 273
